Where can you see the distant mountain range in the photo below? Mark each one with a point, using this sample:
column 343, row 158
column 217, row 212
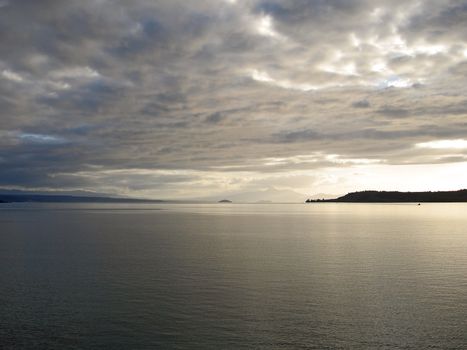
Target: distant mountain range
column 267, row 195
column 17, row 196
column 270, row 195
column 398, row 197
column 76, row 193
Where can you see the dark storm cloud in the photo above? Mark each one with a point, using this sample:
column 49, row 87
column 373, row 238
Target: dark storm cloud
column 361, row 104
column 394, row 112
column 369, row 134
column 96, row 93
column 215, row 118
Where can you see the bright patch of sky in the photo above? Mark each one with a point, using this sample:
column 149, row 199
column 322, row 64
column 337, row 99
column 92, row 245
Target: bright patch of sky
column 8, row 74
column 265, row 27
column 75, row 72
column 264, row 77
column 444, row 144
column 41, row 138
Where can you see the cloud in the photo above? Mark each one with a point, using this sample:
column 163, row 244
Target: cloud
column 361, row 104
column 444, row 144
column 12, row 75
column 214, row 89
column 215, row 118
column 41, row 139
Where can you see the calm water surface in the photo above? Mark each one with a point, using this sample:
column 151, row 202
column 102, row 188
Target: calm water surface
column 231, row 276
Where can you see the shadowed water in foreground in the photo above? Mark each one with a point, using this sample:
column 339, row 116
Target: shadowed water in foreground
column 226, row 276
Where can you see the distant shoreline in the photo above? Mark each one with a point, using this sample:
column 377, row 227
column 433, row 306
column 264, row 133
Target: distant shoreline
column 459, row 196
column 39, row 198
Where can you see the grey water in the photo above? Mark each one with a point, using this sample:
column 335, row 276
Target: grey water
column 233, row 276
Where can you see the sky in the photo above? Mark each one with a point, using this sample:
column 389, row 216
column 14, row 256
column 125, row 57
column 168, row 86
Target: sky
column 192, row 99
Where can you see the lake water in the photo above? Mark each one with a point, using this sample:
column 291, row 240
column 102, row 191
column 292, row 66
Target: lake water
column 232, row 276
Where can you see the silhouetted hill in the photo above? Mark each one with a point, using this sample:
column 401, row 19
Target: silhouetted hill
column 400, row 197
column 42, row 198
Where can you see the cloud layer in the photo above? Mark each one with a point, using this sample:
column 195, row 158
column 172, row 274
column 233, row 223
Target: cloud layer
column 188, row 99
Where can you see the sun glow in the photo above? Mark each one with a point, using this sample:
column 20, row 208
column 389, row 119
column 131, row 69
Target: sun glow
column 444, row 144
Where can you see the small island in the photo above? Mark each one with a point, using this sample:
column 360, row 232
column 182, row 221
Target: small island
column 398, row 197
column 224, row 201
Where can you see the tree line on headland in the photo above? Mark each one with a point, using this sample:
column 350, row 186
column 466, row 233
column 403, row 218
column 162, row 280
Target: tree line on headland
column 397, row 197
